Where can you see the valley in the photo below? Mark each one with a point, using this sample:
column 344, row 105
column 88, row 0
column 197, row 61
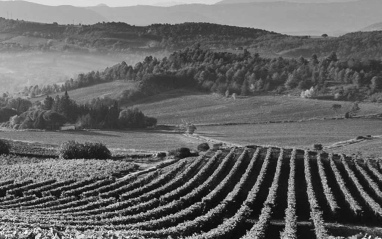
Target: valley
column 191, row 121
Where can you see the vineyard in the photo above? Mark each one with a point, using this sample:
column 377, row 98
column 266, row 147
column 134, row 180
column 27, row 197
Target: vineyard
column 241, row 193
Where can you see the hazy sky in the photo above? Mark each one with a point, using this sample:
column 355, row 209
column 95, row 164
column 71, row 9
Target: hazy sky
column 114, row 3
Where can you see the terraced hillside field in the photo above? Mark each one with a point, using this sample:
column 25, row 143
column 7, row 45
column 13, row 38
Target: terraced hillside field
column 234, row 193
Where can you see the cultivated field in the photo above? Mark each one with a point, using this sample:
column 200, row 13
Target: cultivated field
column 234, row 193
column 298, row 134
column 25, row 168
column 175, row 106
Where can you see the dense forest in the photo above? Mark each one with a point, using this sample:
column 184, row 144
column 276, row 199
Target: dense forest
column 242, row 74
column 53, row 113
column 121, row 37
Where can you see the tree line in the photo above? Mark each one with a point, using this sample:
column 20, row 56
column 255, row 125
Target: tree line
column 242, row 74
column 121, row 37
column 52, row 113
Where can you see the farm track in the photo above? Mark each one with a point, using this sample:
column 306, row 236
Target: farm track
column 236, row 193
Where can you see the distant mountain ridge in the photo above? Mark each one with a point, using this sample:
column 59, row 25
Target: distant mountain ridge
column 48, row 14
column 284, row 17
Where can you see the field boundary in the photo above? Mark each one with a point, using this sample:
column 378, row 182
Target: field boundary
column 212, row 140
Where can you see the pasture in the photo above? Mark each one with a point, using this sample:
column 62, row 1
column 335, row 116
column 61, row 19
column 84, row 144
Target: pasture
column 116, row 141
column 83, row 95
column 296, row 134
column 173, row 107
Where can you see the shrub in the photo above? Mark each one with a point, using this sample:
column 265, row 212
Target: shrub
column 318, row 147
column 96, row 151
column 75, row 150
column 161, row 155
column 181, row 153
column 203, row 147
column 4, row 147
column 71, row 150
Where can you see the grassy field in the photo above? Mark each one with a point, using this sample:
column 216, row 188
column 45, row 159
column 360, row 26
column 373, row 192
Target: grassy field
column 83, row 95
column 300, row 134
column 149, row 140
column 175, row 106
column 362, row 149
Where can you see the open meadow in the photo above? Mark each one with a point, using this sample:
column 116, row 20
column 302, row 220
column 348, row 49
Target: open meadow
column 84, row 95
column 198, row 108
column 294, row 134
column 117, row 141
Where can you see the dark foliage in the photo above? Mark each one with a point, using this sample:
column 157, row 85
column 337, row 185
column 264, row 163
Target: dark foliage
column 4, row 147
column 242, row 74
column 96, row 151
column 318, row 147
column 203, row 147
column 6, row 113
column 75, row 150
column 181, row 153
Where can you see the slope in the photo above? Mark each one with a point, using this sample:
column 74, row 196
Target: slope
column 111, row 90
column 300, row 17
column 200, row 108
column 124, row 38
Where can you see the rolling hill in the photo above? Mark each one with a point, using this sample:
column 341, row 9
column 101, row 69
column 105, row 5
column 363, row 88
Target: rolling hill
column 274, row 16
column 156, row 39
column 286, row 17
column 124, row 38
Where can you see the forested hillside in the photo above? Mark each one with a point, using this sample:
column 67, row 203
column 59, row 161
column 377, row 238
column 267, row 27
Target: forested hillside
column 242, row 74
column 124, row 38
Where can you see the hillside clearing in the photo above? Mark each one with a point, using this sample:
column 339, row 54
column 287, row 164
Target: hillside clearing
column 83, row 95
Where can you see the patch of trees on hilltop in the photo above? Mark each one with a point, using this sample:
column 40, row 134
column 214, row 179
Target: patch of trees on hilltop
column 357, row 45
column 117, row 36
column 122, row 37
column 52, row 113
column 243, row 74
